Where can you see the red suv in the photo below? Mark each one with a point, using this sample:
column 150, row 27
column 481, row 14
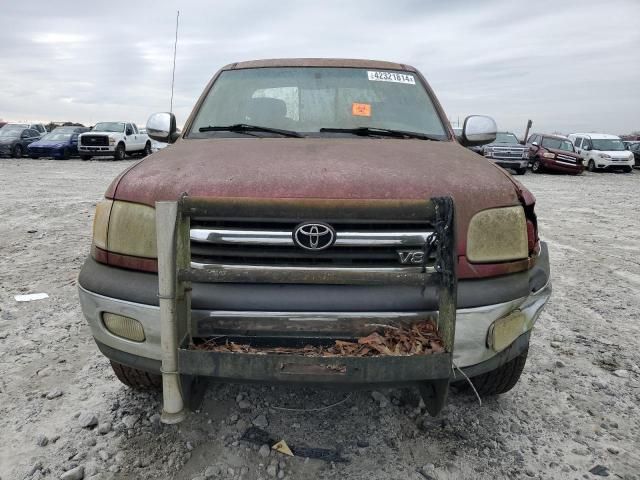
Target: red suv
column 553, row 152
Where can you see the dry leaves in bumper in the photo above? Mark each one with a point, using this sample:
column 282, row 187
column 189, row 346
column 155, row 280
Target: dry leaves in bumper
column 418, row 339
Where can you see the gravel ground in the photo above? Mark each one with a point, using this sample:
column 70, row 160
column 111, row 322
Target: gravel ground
column 574, row 413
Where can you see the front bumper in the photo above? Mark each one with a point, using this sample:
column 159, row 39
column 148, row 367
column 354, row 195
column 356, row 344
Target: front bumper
column 610, row 164
column 473, row 324
column 83, row 150
column 516, row 163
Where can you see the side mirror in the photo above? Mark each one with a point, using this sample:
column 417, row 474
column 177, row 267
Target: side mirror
column 478, row 130
column 535, row 144
column 161, row 127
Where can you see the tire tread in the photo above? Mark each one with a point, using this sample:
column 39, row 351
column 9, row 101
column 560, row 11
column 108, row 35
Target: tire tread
column 136, row 379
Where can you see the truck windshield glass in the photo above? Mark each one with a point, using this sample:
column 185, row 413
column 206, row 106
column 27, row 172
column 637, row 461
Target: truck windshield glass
column 306, row 99
column 607, row 144
column 506, row 138
column 557, row 143
column 109, row 127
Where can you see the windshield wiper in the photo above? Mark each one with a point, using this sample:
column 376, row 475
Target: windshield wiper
column 244, row 127
column 382, row 132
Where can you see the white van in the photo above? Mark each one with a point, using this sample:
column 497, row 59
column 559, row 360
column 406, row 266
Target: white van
column 602, row 151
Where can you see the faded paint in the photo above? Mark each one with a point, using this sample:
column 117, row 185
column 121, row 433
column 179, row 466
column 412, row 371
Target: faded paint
column 321, row 168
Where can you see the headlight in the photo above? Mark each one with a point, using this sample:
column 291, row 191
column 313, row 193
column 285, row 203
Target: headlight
column 125, row 228
column 112, row 141
column 604, row 155
column 549, row 155
column 101, row 223
column 497, row 235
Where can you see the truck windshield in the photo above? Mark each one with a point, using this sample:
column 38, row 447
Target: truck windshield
column 308, row 99
column 607, row 144
column 506, row 138
column 109, row 127
column 557, row 143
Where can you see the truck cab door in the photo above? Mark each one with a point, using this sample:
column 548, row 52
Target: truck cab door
column 130, row 138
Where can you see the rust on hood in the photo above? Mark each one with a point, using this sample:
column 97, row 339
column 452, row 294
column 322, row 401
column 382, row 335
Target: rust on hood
column 264, row 169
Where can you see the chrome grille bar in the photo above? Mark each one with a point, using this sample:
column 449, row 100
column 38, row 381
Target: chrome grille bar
column 225, row 236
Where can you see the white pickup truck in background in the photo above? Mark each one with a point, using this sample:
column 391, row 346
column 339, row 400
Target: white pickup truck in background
column 117, row 139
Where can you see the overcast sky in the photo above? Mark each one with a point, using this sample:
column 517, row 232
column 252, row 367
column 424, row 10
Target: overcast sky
column 568, row 65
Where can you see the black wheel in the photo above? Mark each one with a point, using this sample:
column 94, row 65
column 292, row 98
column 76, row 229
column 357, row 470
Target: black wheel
column 85, row 157
column 591, row 166
column 17, row 151
column 147, row 149
column 521, row 171
column 66, row 154
column 536, row 167
column 35, row 157
column 503, row 378
column 627, row 169
column 136, row 379
column 120, row 152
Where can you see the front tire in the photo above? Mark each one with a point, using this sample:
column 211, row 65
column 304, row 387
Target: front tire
column 136, row 379
column 85, row 157
column 35, row 157
column 536, row 167
column 627, row 169
column 503, row 378
column 17, row 151
column 521, row 171
column 66, row 154
column 120, row 152
column 591, row 166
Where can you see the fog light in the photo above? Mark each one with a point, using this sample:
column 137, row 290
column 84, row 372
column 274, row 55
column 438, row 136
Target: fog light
column 504, row 331
column 124, row 327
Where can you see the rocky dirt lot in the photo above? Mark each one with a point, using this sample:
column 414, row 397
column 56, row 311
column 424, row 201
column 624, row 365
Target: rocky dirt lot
column 574, row 414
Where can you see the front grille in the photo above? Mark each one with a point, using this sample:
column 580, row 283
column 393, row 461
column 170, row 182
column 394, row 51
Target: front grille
column 507, row 153
column 268, row 243
column 566, row 158
column 94, row 140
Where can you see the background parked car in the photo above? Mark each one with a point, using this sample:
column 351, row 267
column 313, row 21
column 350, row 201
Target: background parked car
column 553, row 152
column 62, row 143
column 507, row 152
column 602, row 151
column 38, row 127
column 117, row 139
column 14, row 140
column 634, row 147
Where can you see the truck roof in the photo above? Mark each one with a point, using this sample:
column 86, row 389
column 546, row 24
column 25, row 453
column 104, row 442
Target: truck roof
column 319, row 62
column 601, row 136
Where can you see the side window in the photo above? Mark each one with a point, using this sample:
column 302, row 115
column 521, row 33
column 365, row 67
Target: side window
column 135, row 128
column 33, row 133
column 40, row 128
column 129, row 129
column 533, row 138
column 577, row 142
column 586, row 143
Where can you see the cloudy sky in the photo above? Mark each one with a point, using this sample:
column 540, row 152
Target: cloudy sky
column 568, row 65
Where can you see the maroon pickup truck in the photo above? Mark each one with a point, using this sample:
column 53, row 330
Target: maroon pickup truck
column 327, row 212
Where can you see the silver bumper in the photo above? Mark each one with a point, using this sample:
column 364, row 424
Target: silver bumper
column 472, row 324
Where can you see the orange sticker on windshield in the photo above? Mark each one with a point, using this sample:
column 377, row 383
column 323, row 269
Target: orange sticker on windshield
column 361, row 110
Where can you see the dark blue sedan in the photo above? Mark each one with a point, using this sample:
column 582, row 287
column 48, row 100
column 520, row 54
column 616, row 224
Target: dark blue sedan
column 59, row 144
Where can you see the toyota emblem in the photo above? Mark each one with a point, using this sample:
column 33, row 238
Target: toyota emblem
column 314, row 236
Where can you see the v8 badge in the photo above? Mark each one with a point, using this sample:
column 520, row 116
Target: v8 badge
column 411, row 257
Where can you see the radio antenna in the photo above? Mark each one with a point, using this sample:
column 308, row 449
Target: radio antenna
column 173, row 75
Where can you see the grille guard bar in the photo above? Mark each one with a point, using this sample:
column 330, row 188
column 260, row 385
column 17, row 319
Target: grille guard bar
column 181, row 366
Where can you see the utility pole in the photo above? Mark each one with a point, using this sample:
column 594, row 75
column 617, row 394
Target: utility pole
column 175, row 47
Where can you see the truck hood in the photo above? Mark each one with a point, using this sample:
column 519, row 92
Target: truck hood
column 351, row 168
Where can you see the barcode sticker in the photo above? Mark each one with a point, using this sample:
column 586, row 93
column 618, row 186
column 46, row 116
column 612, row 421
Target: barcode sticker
column 394, row 77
